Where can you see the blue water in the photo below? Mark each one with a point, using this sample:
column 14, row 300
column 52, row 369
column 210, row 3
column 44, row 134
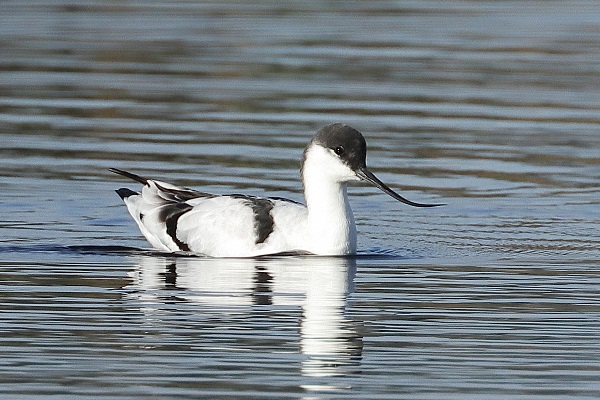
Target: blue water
column 489, row 107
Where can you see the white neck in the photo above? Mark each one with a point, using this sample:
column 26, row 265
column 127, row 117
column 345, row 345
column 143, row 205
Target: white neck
column 331, row 228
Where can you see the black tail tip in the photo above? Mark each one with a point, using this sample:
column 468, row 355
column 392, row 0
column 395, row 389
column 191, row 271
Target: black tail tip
column 125, row 193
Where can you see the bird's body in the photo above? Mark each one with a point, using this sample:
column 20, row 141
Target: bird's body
column 180, row 219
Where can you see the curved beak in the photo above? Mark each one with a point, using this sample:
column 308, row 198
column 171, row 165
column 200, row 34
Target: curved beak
column 366, row 175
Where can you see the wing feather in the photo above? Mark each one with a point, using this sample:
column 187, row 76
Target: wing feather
column 175, row 218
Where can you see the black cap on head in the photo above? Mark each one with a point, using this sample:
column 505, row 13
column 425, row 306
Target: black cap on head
column 351, row 147
column 348, row 143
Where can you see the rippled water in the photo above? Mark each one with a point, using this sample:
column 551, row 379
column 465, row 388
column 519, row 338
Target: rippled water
column 490, row 107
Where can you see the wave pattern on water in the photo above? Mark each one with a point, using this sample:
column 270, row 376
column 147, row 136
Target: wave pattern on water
column 490, row 107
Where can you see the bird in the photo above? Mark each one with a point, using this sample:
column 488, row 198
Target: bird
column 179, row 219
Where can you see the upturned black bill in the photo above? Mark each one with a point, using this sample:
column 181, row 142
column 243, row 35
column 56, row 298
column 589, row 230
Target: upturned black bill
column 368, row 176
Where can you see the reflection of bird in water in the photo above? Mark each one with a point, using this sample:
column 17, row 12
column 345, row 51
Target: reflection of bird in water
column 179, row 219
column 261, row 291
column 328, row 339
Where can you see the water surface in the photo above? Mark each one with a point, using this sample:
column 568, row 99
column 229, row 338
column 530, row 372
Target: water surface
column 490, row 107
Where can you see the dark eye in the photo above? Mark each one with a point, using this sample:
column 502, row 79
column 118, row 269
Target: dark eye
column 339, row 150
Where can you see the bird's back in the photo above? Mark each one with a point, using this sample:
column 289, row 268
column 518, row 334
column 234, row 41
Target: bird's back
column 180, row 219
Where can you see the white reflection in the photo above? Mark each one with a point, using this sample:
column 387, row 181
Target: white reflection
column 328, row 337
column 215, row 282
column 319, row 286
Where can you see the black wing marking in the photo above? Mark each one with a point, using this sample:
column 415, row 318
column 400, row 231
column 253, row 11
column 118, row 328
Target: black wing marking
column 125, row 193
column 175, row 206
column 129, row 175
column 169, row 215
column 286, row 200
column 263, row 220
column 174, row 195
column 184, row 194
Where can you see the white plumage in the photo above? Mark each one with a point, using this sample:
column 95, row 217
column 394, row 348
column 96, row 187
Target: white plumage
column 174, row 219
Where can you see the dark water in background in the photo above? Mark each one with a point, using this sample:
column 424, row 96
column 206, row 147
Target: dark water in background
column 490, row 107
